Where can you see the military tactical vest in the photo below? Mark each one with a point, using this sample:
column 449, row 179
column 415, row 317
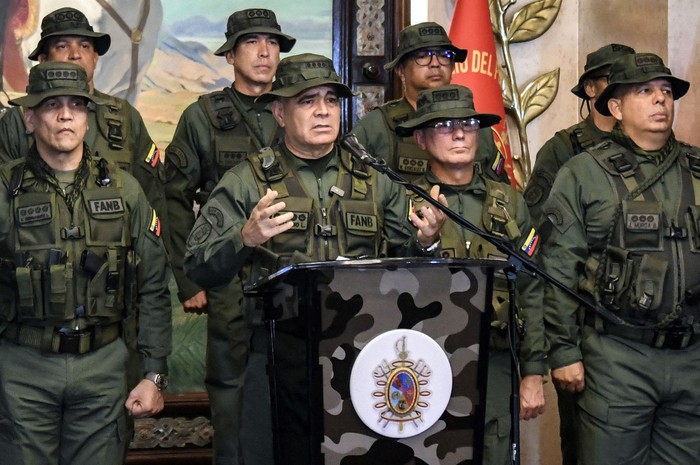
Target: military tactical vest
column 498, row 214
column 580, row 136
column 648, row 271
column 66, row 266
column 116, row 141
column 232, row 141
column 409, row 159
column 350, row 226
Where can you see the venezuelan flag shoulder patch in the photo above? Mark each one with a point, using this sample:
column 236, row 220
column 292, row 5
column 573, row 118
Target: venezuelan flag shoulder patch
column 498, row 163
column 153, row 156
column 154, row 226
column 531, row 242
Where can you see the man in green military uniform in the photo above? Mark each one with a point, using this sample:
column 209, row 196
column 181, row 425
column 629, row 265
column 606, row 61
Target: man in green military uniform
column 425, row 58
column 116, row 130
column 214, row 134
column 554, row 153
column 446, row 126
column 622, row 228
column 74, row 231
column 568, row 142
column 296, row 201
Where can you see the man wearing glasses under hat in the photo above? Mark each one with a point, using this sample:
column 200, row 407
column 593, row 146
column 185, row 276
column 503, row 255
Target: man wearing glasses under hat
column 554, row 153
column 570, row 141
column 446, row 126
column 214, row 134
column 75, row 232
column 623, row 229
column 425, row 58
column 116, row 130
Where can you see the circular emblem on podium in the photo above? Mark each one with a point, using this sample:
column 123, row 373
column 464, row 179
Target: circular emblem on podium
column 401, row 383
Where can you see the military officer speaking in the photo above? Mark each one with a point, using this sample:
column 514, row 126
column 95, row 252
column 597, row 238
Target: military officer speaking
column 74, row 233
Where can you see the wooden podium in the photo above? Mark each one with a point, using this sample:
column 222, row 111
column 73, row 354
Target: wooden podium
column 327, row 410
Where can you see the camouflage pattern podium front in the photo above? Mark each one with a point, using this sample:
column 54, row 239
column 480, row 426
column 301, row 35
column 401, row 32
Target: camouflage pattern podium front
column 321, row 318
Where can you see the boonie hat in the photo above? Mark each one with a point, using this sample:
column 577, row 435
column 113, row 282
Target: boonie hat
column 424, row 35
column 56, row 79
column 69, row 22
column 445, row 102
column 254, row 21
column 604, row 56
column 637, row 69
column 297, row 73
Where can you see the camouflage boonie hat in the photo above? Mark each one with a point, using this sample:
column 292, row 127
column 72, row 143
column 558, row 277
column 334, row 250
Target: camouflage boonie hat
column 637, row 69
column 69, row 22
column 254, row 21
column 297, row 73
column 604, row 56
column 424, row 35
column 56, row 79
column 446, row 102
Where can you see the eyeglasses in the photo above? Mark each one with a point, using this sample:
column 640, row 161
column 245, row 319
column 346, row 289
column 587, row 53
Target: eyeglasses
column 424, row 57
column 448, row 126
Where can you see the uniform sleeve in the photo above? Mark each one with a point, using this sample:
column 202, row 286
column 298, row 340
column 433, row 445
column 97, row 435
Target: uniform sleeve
column 182, row 165
column 215, row 249
column 374, row 134
column 564, row 250
column 486, row 154
column 155, row 313
column 13, row 137
column 533, row 345
column 550, row 158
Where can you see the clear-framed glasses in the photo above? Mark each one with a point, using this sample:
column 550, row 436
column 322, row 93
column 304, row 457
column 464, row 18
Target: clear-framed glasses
column 448, row 126
column 424, row 57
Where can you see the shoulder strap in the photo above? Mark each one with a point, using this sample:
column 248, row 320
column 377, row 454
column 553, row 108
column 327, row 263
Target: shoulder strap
column 500, row 210
column 393, row 113
column 113, row 122
column 220, row 110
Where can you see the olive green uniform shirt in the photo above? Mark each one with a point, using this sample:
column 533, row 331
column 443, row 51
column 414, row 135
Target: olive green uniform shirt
column 581, row 208
column 153, row 298
column 468, row 201
column 190, row 163
column 214, row 259
column 553, row 154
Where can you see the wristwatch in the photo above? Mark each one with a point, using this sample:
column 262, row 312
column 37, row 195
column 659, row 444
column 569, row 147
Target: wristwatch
column 431, row 249
column 160, row 380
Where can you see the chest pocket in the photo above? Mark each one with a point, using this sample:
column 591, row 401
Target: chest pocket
column 295, row 238
column 229, row 153
column 643, row 225
column 35, row 215
column 360, row 235
column 107, row 215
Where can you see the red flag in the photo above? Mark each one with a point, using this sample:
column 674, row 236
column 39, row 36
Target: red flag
column 471, row 29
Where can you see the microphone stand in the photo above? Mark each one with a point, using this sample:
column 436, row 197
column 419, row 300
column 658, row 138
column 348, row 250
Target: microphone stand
column 517, row 262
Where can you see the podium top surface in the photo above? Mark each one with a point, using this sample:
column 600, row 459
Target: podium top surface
column 283, row 274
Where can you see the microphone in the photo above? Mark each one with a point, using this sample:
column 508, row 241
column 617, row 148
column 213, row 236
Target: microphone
column 350, row 143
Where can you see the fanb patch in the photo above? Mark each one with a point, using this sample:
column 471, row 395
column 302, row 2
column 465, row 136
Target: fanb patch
column 106, row 206
column 34, row 213
column 153, row 156
column 154, row 226
column 359, row 222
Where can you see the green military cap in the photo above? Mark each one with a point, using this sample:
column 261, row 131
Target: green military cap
column 55, row 79
column 297, row 73
column 254, row 21
column 604, row 56
column 424, row 35
column 446, row 102
column 69, row 22
column 637, row 69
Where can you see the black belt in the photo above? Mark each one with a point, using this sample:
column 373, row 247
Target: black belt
column 670, row 337
column 62, row 340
